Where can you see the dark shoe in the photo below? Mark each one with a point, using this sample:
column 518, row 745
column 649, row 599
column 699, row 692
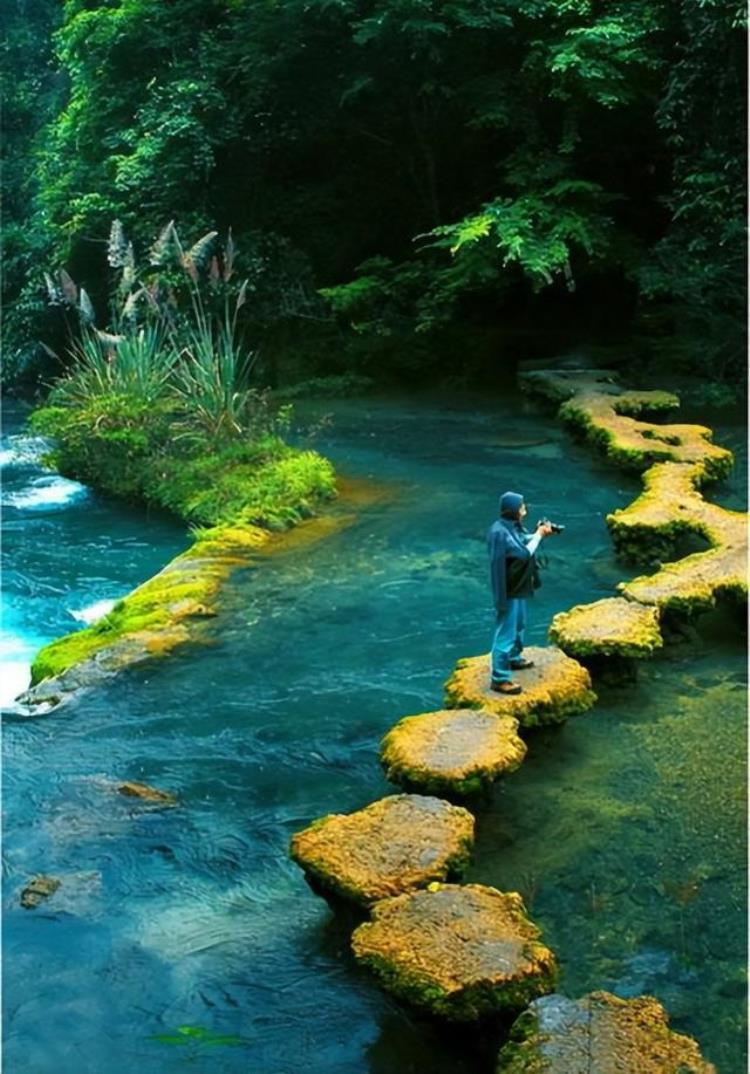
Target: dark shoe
column 505, row 687
column 521, row 665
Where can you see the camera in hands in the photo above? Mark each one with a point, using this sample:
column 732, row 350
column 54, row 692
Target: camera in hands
column 554, row 526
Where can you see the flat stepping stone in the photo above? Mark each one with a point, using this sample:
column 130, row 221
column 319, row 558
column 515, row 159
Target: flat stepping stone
column 395, row 845
column 599, row 1034
column 554, row 689
column 694, row 583
column 607, row 415
column 611, row 627
column 456, row 951
column 459, row 751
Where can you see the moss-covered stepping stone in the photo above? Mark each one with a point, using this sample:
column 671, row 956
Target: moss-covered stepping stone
column 456, row 951
column 611, row 627
column 395, row 845
column 608, row 417
column 554, row 689
column 598, row 1034
column 457, row 751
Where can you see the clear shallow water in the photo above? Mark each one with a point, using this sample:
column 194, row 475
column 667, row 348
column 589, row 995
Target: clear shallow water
column 624, row 829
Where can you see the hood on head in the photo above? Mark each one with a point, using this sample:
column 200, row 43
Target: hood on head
column 510, row 504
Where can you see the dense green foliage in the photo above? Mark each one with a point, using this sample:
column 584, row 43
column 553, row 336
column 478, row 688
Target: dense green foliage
column 400, row 174
column 127, row 447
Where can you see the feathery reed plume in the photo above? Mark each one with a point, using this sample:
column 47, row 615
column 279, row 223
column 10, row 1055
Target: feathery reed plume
column 190, row 267
column 194, row 260
column 69, row 289
column 117, row 248
column 229, row 252
column 128, row 310
column 53, row 291
column 162, row 247
column 213, row 269
column 199, row 251
column 86, row 308
column 128, row 269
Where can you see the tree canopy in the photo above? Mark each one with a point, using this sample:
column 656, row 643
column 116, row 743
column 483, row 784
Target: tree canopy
column 422, row 164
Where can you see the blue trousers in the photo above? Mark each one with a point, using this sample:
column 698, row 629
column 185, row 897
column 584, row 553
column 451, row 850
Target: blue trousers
column 507, row 643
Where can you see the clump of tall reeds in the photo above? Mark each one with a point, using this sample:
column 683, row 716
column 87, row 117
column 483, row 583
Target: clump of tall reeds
column 161, row 347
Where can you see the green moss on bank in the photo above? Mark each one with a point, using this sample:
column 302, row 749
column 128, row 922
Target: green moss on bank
column 238, row 489
column 129, row 449
column 152, row 616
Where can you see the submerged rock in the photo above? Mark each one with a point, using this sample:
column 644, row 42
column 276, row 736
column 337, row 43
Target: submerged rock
column 396, row 844
column 554, row 689
column 146, row 793
column 610, row 627
column 37, row 890
column 457, row 751
column 598, row 1034
column 456, row 951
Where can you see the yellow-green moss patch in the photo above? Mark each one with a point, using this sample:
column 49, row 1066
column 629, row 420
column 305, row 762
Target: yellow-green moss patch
column 669, row 507
column 680, row 460
column 611, row 627
column 554, row 689
column 603, row 413
column 151, row 619
column 394, row 845
column 598, row 1034
column 458, row 751
column 456, row 951
column 162, row 613
column 694, row 583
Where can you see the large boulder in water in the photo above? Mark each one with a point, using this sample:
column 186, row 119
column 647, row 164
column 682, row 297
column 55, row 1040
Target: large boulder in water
column 395, row 845
column 598, row 1034
column 452, row 751
column 456, row 951
column 553, row 689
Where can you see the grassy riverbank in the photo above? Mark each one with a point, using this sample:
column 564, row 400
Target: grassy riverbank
column 134, row 449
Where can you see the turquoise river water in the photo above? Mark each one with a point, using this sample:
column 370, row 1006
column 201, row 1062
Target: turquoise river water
column 624, row 829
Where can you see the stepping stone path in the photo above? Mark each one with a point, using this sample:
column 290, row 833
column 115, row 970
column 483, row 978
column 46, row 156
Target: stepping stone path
column 465, row 951
column 678, row 460
column 611, row 627
column 554, row 689
column 458, row 951
column 453, row 751
column 392, row 846
column 599, row 1034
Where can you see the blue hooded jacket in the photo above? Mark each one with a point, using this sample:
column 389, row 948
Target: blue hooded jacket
column 513, row 571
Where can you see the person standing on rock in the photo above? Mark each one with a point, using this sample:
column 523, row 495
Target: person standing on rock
column 514, row 577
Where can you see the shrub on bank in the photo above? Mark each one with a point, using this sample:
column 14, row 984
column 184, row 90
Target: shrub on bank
column 129, row 449
column 162, row 406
